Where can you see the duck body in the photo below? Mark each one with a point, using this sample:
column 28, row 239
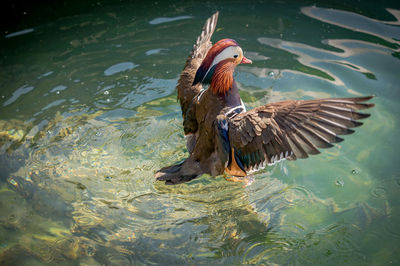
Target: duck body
column 211, row 112
column 222, row 137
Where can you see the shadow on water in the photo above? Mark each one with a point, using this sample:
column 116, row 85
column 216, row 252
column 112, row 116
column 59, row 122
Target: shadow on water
column 89, row 113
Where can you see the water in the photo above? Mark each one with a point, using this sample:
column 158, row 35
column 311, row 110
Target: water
column 88, row 113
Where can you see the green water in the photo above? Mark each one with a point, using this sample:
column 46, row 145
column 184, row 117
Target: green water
column 88, row 113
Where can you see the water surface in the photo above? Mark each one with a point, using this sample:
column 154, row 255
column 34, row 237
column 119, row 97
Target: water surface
column 88, row 113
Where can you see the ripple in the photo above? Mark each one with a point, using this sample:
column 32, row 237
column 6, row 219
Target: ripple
column 120, row 67
column 161, row 20
column 308, row 56
column 150, row 89
column 48, row 73
column 43, row 250
column 18, row 93
column 292, row 229
column 315, row 60
column 356, row 22
column 74, row 247
column 18, row 33
column 300, row 195
column 58, row 88
column 379, row 192
column 53, row 104
column 262, row 251
column 116, row 259
column 123, row 194
column 84, row 216
column 392, row 228
column 84, row 220
column 340, row 239
column 156, row 51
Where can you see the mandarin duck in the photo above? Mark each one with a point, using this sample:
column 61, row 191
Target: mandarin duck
column 223, row 138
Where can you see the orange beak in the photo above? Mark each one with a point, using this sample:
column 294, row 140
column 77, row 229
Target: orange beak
column 246, row 61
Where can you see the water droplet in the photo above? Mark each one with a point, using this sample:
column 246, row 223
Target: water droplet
column 355, row 172
column 106, row 92
column 2, row 96
column 12, row 182
column 108, row 100
column 271, row 74
column 154, row 65
column 339, row 183
column 58, row 92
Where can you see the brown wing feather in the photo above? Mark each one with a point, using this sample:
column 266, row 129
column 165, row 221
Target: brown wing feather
column 293, row 129
column 186, row 91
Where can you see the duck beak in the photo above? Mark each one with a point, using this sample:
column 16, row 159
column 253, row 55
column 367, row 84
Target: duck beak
column 246, row 61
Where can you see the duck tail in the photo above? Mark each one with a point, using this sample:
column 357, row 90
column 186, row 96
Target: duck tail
column 178, row 173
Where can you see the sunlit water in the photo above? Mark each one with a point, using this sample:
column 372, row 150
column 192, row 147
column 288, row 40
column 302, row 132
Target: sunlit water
column 88, row 113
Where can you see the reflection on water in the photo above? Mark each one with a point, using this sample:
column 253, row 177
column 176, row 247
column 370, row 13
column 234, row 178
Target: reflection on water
column 166, row 20
column 317, row 58
column 20, row 91
column 21, row 32
column 386, row 30
column 87, row 120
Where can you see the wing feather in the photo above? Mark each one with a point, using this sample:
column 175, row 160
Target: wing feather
column 186, row 92
column 293, row 129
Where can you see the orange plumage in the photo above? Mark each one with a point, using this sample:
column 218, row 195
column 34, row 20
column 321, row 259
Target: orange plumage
column 223, row 77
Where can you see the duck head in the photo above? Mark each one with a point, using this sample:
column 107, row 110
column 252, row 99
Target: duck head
column 219, row 64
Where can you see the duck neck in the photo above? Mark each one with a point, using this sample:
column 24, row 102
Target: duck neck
column 223, row 84
column 232, row 97
column 222, row 78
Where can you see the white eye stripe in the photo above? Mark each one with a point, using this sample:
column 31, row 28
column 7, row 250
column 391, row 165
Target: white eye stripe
column 228, row 52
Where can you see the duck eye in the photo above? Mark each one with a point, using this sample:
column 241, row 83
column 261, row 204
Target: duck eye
column 235, row 56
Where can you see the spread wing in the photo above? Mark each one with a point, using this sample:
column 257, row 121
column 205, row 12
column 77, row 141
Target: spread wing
column 292, row 129
column 186, row 92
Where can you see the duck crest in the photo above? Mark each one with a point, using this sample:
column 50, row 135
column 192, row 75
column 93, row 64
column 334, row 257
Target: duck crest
column 217, row 48
column 205, row 72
